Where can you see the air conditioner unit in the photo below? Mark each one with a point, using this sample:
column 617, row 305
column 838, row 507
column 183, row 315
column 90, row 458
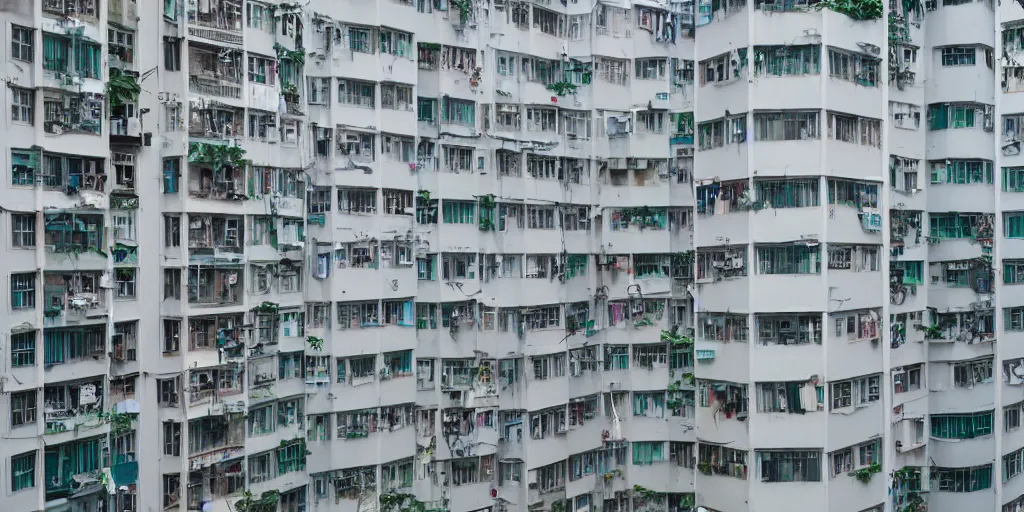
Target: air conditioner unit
column 684, row 152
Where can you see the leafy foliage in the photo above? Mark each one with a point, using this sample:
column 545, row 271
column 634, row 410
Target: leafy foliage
column 122, row 88
column 860, row 10
column 217, row 155
column 563, row 88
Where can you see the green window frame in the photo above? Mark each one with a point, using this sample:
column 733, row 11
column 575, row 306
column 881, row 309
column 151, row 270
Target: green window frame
column 617, row 357
column 913, row 271
column 789, row 259
column 648, row 452
column 458, row 212
column 961, row 426
column 23, row 349
column 680, row 358
column 977, row 478
column 942, row 116
column 1013, row 179
column 789, row 193
column 24, row 168
column 23, row 471
column 89, row 60
column 291, row 458
column 1013, row 224
column 56, row 51
column 787, row 60
column 1013, row 271
column 962, row 172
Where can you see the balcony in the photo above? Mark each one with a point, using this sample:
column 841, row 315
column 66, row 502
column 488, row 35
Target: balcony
column 68, row 406
column 67, row 112
column 72, row 297
column 125, row 126
column 215, row 239
column 217, row 286
column 74, row 233
column 219, row 480
column 71, row 467
column 216, row 20
column 215, row 332
column 214, row 385
column 212, row 439
column 215, row 71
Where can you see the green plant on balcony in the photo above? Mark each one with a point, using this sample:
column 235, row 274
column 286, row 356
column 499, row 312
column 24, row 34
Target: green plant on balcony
column 860, row 10
column 863, row 475
column 267, row 307
column 931, row 332
column 423, row 195
column 674, row 338
column 563, row 88
column 298, row 56
column 267, row 502
column 122, row 88
column 686, row 502
column 640, row 491
column 400, row 502
column 315, row 343
column 704, row 467
column 217, row 155
column 290, row 92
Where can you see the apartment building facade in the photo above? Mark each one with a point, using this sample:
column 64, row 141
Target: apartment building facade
column 460, row 256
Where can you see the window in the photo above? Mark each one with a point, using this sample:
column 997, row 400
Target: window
column 788, row 193
column 855, row 392
column 958, row 56
column 23, row 349
column 23, row 471
column 789, row 466
column 651, row 69
column 456, row 111
column 355, row 93
column 396, row 97
column 907, row 378
column 357, row 201
column 125, row 281
column 172, row 438
column 22, row 43
column 905, row 115
column 789, row 259
column 723, row 68
column 172, row 335
column 858, row 194
column 942, row 116
column 458, row 212
column 788, row 125
column 791, row 397
column 961, row 172
column 961, row 426
column 23, row 102
column 853, row 67
column 859, row 258
column 787, row 60
column 855, row 130
column 967, row 374
column 648, row 452
column 961, row 479
column 23, row 408
column 23, row 291
column 24, row 168
column 540, row 217
column 1011, row 417
column 23, row 230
